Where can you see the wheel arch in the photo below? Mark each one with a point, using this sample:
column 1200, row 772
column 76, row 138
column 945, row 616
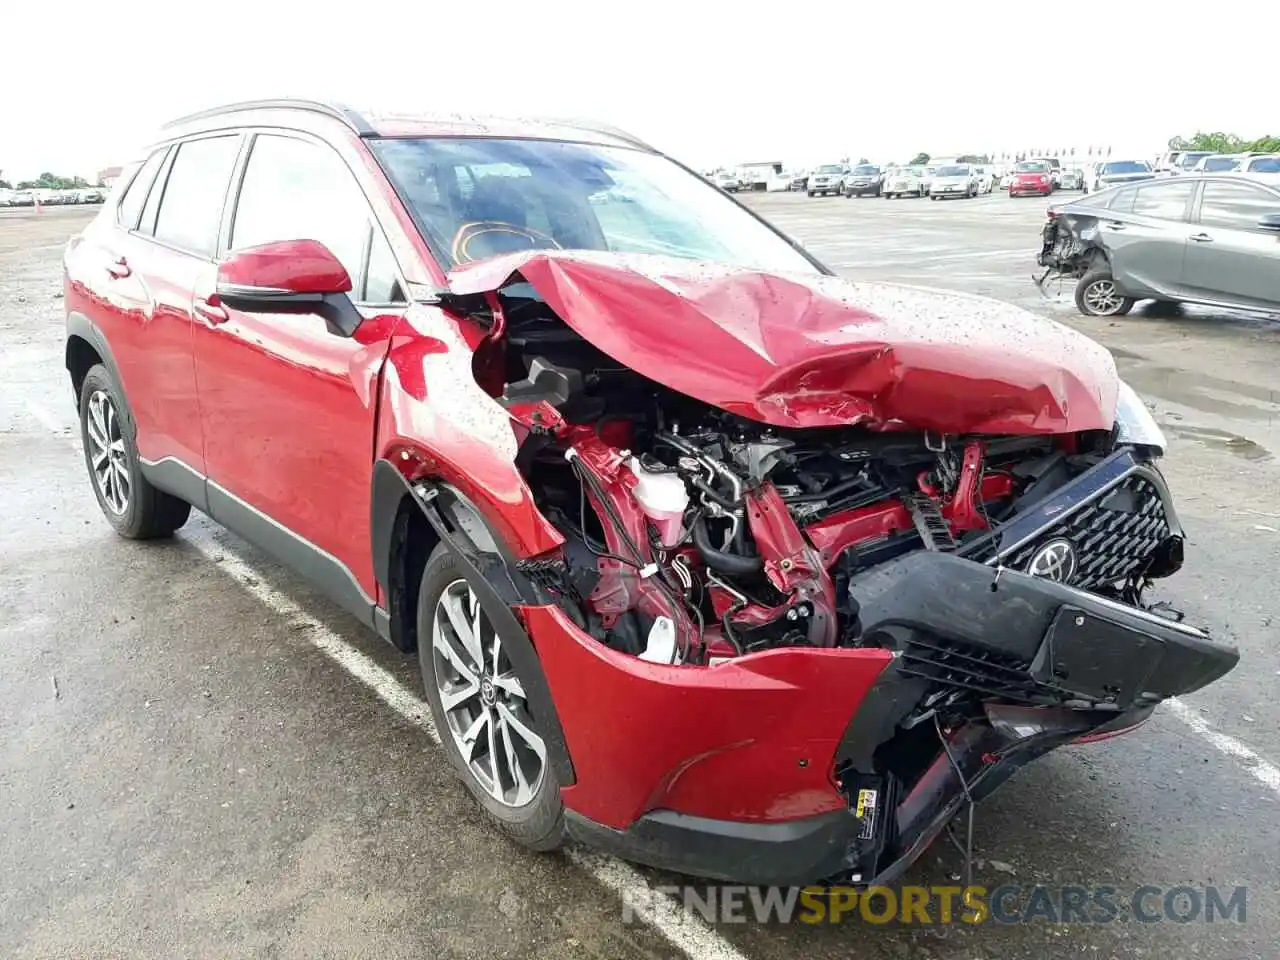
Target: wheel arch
column 87, row 346
column 409, row 520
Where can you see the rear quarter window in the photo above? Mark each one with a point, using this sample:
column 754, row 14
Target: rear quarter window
column 135, row 194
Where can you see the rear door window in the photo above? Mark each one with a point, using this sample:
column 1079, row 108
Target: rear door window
column 135, row 195
column 1236, row 206
column 1163, row 201
column 191, row 208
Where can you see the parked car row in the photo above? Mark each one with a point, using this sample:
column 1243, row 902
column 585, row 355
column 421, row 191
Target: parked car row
column 29, row 198
column 911, row 180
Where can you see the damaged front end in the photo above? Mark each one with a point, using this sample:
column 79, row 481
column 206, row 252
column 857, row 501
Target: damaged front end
column 790, row 653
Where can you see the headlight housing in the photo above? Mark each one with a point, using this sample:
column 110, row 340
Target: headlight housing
column 1134, row 423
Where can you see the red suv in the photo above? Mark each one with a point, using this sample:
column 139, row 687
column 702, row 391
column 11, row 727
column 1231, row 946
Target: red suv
column 709, row 557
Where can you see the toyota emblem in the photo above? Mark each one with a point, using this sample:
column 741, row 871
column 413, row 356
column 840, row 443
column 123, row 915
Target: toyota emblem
column 1055, row 561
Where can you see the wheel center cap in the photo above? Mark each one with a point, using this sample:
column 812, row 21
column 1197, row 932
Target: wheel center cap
column 487, row 692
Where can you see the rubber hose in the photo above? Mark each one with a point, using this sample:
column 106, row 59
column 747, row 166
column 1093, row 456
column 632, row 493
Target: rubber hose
column 730, row 563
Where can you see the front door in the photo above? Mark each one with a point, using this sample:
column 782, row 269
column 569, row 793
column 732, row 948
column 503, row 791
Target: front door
column 1230, row 257
column 289, row 408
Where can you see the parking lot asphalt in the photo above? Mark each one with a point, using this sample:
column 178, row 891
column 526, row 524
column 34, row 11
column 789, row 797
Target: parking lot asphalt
column 201, row 757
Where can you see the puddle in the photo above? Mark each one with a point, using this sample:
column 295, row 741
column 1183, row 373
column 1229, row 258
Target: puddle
column 1241, row 447
column 1200, row 391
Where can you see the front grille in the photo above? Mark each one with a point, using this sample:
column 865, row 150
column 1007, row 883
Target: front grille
column 1114, row 535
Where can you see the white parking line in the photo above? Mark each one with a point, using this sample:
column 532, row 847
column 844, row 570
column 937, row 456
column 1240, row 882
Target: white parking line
column 684, row 930
column 1267, row 773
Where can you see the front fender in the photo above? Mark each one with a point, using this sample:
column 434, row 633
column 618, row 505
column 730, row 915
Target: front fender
column 490, row 570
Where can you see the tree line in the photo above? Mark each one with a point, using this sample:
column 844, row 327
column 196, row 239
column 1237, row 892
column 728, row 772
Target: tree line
column 1225, row 143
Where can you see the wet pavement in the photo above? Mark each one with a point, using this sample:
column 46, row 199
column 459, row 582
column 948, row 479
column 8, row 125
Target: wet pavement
column 187, row 768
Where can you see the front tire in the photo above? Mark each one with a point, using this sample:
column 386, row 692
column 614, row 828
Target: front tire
column 135, row 509
column 505, row 766
column 1097, row 295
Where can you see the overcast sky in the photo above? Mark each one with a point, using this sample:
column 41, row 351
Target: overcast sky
column 710, row 83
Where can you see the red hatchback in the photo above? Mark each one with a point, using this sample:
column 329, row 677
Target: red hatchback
column 1031, row 178
column 709, row 557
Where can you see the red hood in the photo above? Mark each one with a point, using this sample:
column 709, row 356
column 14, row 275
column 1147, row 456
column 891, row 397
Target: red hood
column 807, row 350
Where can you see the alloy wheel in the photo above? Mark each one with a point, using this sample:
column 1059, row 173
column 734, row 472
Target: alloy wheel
column 1103, row 298
column 483, row 701
column 108, row 458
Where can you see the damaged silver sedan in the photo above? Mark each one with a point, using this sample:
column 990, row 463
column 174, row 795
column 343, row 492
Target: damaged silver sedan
column 1211, row 240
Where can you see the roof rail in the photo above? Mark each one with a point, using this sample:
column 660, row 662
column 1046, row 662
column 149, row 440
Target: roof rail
column 337, row 111
column 601, row 128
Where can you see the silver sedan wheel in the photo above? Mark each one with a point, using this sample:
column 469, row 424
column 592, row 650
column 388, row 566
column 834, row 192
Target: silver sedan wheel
column 1103, row 298
column 107, row 458
column 483, row 701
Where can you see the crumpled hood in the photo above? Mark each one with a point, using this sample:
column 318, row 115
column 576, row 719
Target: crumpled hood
column 806, row 350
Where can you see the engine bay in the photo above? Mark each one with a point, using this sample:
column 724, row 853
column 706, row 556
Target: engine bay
column 693, row 534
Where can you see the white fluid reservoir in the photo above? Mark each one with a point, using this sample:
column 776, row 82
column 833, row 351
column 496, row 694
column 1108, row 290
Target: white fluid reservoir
column 663, row 497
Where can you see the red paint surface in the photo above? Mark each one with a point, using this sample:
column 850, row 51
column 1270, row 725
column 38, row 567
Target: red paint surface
column 799, row 351
column 299, row 266
column 724, row 741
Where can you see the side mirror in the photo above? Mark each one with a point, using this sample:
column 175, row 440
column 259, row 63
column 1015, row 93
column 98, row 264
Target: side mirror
column 1270, row 221
column 290, row 276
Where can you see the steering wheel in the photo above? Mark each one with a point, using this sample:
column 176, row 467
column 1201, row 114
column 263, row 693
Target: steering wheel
column 487, row 238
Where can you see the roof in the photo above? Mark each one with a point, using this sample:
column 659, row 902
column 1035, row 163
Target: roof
column 380, row 124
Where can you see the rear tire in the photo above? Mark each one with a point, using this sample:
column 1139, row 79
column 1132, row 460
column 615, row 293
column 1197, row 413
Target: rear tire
column 1098, row 296
column 135, row 509
column 534, row 820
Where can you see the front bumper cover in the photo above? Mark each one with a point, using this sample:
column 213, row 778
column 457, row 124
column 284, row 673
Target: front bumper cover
column 1079, row 666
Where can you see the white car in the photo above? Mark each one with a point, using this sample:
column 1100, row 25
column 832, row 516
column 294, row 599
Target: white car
column 903, row 182
column 1111, row 173
column 1071, row 178
column 726, row 181
column 986, row 179
column 1218, row 163
column 954, row 180
column 826, row 179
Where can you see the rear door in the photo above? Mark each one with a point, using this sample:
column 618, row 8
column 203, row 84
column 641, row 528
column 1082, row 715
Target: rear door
column 1145, row 230
column 1230, row 258
column 288, row 407
column 165, row 239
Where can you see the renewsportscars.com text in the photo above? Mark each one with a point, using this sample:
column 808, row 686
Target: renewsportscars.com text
column 1006, row 904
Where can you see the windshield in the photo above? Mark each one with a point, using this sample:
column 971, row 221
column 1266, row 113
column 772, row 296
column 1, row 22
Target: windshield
column 865, row 169
column 1264, row 165
column 1218, row 164
column 1126, row 166
column 1032, row 166
column 475, row 198
column 1189, row 160
column 953, row 171
column 830, row 168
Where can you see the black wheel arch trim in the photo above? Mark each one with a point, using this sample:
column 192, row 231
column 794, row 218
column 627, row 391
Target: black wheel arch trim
column 80, row 326
column 497, row 586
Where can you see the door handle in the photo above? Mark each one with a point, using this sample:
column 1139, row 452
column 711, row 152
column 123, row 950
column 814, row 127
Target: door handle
column 1202, row 238
column 211, row 310
column 119, row 268
column 1117, row 227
